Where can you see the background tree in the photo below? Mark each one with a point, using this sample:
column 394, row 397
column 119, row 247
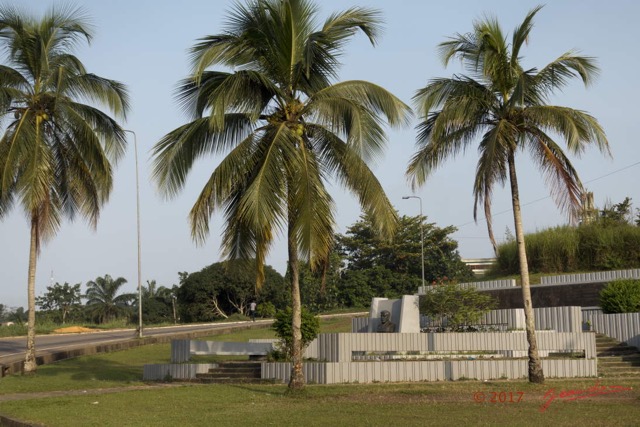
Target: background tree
column 363, row 249
column 228, row 287
column 452, row 307
column 618, row 213
column 103, row 301
column 56, row 149
column 61, row 298
column 505, row 105
column 286, row 129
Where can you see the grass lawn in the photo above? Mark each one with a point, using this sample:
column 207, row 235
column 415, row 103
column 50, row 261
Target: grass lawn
column 135, row 403
column 407, row 404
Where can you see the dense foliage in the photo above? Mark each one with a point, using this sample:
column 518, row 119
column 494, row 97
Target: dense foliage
column 223, row 288
column 453, row 307
column 61, row 299
column 310, row 328
column 621, row 296
column 375, row 267
column 610, row 241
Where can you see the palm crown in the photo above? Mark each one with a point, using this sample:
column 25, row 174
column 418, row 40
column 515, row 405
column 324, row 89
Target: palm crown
column 506, row 107
column 284, row 126
column 56, row 150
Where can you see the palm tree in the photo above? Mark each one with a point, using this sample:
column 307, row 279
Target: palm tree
column 56, row 149
column 505, row 107
column 103, row 300
column 285, row 129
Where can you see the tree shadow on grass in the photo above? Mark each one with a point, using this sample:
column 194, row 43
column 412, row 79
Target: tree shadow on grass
column 90, row 368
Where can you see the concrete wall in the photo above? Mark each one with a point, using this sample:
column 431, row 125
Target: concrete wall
column 599, row 276
column 436, row 370
column 578, row 294
column 341, row 347
column 625, row 327
column 559, row 319
column 183, row 371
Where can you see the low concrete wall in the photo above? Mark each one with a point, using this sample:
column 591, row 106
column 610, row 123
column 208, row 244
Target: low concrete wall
column 340, row 347
column 437, row 370
column 598, row 276
column 185, row 371
column 181, row 350
column 624, row 327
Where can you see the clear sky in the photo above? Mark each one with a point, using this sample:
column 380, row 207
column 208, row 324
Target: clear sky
column 143, row 43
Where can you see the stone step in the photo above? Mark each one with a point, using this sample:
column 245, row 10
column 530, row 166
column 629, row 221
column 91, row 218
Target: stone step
column 619, row 373
column 631, row 358
column 236, row 381
column 233, row 372
column 613, row 364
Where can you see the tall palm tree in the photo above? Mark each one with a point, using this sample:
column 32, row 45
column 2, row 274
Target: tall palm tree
column 285, row 128
column 56, row 148
column 103, row 300
column 504, row 106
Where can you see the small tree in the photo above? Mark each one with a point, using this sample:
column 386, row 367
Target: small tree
column 621, row 296
column 62, row 298
column 282, row 326
column 454, row 306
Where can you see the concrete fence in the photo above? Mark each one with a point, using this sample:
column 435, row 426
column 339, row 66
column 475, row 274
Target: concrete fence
column 601, row 276
column 435, row 370
column 485, row 285
column 625, row 327
column 342, row 347
column 559, row 319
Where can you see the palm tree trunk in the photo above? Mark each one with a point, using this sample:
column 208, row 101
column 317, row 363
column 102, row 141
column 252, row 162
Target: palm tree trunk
column 30, row 365
column 535, row 367
column 297, row 376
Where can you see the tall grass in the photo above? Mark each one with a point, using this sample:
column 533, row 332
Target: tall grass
column 569, row 249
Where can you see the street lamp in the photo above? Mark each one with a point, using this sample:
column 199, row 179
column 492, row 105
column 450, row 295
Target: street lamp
column 135, row 151
column 421, row 236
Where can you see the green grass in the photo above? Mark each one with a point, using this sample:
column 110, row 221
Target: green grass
column 124, row 368
column 407, row 404
column 415, row 404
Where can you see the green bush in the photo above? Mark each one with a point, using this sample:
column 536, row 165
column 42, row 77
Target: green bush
column 621, row 296
column 459, row 306
column 284, row 331
column 589, row 247
column 266, row 309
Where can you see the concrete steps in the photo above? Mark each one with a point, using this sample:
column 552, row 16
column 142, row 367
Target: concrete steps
column 615, row 358
column 234, row 372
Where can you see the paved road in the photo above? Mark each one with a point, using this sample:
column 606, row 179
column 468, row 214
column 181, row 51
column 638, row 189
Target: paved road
column 12, row 349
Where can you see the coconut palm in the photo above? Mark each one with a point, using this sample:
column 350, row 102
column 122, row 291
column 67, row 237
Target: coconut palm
column 56, row 148
column 286, row 128
column 504, row 107
column 103, row 300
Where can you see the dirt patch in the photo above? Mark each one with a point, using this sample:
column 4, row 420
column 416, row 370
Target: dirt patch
column 73, row 330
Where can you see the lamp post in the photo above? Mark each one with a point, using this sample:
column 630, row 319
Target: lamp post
column 421, row 236
column 135, row 151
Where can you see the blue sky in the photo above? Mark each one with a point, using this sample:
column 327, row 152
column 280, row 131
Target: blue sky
column 143, row 43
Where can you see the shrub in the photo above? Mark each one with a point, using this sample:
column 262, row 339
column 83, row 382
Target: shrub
column 457, row 307
column 284, row 331
column 266, row 309
column 621, row 296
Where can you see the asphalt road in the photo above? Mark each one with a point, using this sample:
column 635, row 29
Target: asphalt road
column 12, row 349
